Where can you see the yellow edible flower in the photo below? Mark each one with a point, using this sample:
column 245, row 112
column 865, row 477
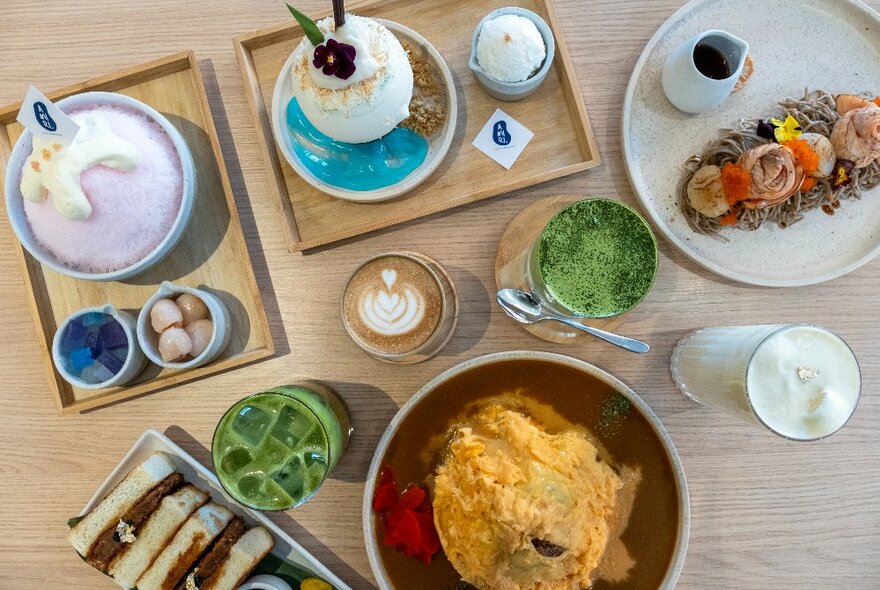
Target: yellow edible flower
column 314, row 584
column 786, row 130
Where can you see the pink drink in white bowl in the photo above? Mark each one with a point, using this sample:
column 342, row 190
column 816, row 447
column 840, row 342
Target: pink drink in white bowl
column 139, row 196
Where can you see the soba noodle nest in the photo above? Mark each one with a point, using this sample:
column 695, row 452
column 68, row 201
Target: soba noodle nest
column 816, row 112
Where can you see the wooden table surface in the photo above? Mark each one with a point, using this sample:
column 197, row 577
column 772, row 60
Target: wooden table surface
column 767, row 513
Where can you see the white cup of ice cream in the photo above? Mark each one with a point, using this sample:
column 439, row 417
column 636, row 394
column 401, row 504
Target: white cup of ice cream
column 512, row 66
column 213, row 342
column 89, row 248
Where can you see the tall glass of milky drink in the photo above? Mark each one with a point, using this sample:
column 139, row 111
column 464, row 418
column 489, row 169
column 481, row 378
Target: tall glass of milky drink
column 800, row 381
column 400, row 307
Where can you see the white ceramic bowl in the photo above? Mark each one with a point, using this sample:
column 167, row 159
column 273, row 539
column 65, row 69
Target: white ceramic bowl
column 134, row 362
column 265, row 582
column 15, row 201
column 510, row 91
column 369, row 520
column 219, row 315
column 437, row 147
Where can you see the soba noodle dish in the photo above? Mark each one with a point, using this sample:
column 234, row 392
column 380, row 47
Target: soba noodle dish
column 823, row 150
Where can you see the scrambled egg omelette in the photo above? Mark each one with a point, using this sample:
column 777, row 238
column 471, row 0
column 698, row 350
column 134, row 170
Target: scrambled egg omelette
column 517, row 508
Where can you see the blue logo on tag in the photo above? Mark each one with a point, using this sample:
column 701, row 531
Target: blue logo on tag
column 43, row 117
column 500, row 134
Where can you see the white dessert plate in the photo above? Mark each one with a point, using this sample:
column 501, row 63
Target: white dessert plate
column 832, row 45
column 437, row 146
column 194, row 472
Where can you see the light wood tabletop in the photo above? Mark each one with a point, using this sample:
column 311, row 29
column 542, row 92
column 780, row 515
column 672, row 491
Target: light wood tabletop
column 767, row 513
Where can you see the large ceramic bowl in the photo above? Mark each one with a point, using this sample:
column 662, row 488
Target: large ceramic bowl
column 437, row 146
column 15, row 203
column 594, row 385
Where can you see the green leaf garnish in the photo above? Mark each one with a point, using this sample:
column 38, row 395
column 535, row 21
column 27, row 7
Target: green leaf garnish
column 71, row 522
column 314, row 34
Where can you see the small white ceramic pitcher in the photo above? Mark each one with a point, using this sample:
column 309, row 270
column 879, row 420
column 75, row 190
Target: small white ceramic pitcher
column 687, row 88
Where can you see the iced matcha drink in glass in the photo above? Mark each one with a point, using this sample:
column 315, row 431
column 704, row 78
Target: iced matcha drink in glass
column 273, row 450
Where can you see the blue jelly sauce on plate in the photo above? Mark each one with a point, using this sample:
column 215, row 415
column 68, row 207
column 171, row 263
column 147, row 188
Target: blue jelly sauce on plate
column 355, row 166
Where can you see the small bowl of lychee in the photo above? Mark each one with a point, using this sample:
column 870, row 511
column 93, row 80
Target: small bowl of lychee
column 183, row 327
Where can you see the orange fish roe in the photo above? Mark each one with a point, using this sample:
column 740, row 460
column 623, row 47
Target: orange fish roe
column 736, row 182
column 877, row 101
column 730, row 218
column 804, row 154
column 808, row 184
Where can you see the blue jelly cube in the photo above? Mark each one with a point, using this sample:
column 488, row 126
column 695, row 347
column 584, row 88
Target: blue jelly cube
column 121, row 353
column 113, row 364
column 92, row 339
column 94, row 319
column 96, row 373
column 80, row 359
column 73, row 337
column 112, row 335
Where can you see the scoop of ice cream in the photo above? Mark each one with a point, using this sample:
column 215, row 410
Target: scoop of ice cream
column 518, row 508
column 57, row 168
column 510, row 48
column 370, row 102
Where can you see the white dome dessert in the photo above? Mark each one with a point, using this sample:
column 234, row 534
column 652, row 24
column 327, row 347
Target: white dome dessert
column 373, row 100
column 510, row 48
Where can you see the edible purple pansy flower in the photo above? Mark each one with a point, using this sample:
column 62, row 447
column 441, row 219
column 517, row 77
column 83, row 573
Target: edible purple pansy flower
column 335, row 59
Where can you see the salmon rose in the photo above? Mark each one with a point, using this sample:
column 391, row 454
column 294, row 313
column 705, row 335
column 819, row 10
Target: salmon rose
column 776, row 175
column 856, row 135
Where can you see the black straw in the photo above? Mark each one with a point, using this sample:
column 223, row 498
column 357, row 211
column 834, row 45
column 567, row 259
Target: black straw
column 338, row 13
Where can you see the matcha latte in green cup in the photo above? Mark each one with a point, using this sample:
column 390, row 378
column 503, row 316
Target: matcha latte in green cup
column 595, row 258
column 272, row 450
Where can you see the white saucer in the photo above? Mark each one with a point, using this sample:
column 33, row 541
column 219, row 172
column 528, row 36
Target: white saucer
column 437, row 147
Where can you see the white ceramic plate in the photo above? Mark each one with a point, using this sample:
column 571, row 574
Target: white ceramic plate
column 684, row 508
column 833, row 45
column 437, row 146
column 196, row 473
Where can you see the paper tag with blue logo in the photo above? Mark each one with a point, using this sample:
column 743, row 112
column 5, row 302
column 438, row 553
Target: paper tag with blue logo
column 503, row 138
column 40, row 116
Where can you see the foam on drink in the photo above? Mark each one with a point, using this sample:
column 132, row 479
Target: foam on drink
column 803, row 382
column 132, row 210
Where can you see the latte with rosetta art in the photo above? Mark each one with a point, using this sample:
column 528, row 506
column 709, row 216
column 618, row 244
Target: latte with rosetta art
column 392, row 305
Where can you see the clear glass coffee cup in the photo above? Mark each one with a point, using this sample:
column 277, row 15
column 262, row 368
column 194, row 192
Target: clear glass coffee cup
column 400, row 307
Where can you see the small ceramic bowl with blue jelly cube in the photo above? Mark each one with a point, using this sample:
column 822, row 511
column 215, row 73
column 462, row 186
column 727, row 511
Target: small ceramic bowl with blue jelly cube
column 97, row 347
column 183, row 327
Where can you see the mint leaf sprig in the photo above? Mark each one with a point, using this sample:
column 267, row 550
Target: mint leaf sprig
column 313, row 33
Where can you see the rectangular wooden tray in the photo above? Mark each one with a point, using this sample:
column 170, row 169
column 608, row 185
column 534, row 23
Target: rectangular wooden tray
column 212, row 253
column 563, row 142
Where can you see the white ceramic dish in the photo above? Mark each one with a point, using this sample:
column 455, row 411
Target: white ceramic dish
column 369, row 520
column 437, row 147
column 196, row 473
column 218, row 314
column 15, row 204
column 134, row 362
column 513, row 90
column 838, row 50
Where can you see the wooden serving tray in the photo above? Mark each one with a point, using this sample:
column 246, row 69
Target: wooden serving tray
column 563, row 141
column 212, row 253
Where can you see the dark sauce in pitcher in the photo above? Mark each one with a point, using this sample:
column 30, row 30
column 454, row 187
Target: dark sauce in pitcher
column 711, row 62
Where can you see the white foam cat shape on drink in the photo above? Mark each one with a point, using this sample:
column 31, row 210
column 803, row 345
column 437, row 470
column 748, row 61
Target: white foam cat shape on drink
column 393, row 310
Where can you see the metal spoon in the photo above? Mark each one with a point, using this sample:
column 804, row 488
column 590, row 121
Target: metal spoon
column 525, row 308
